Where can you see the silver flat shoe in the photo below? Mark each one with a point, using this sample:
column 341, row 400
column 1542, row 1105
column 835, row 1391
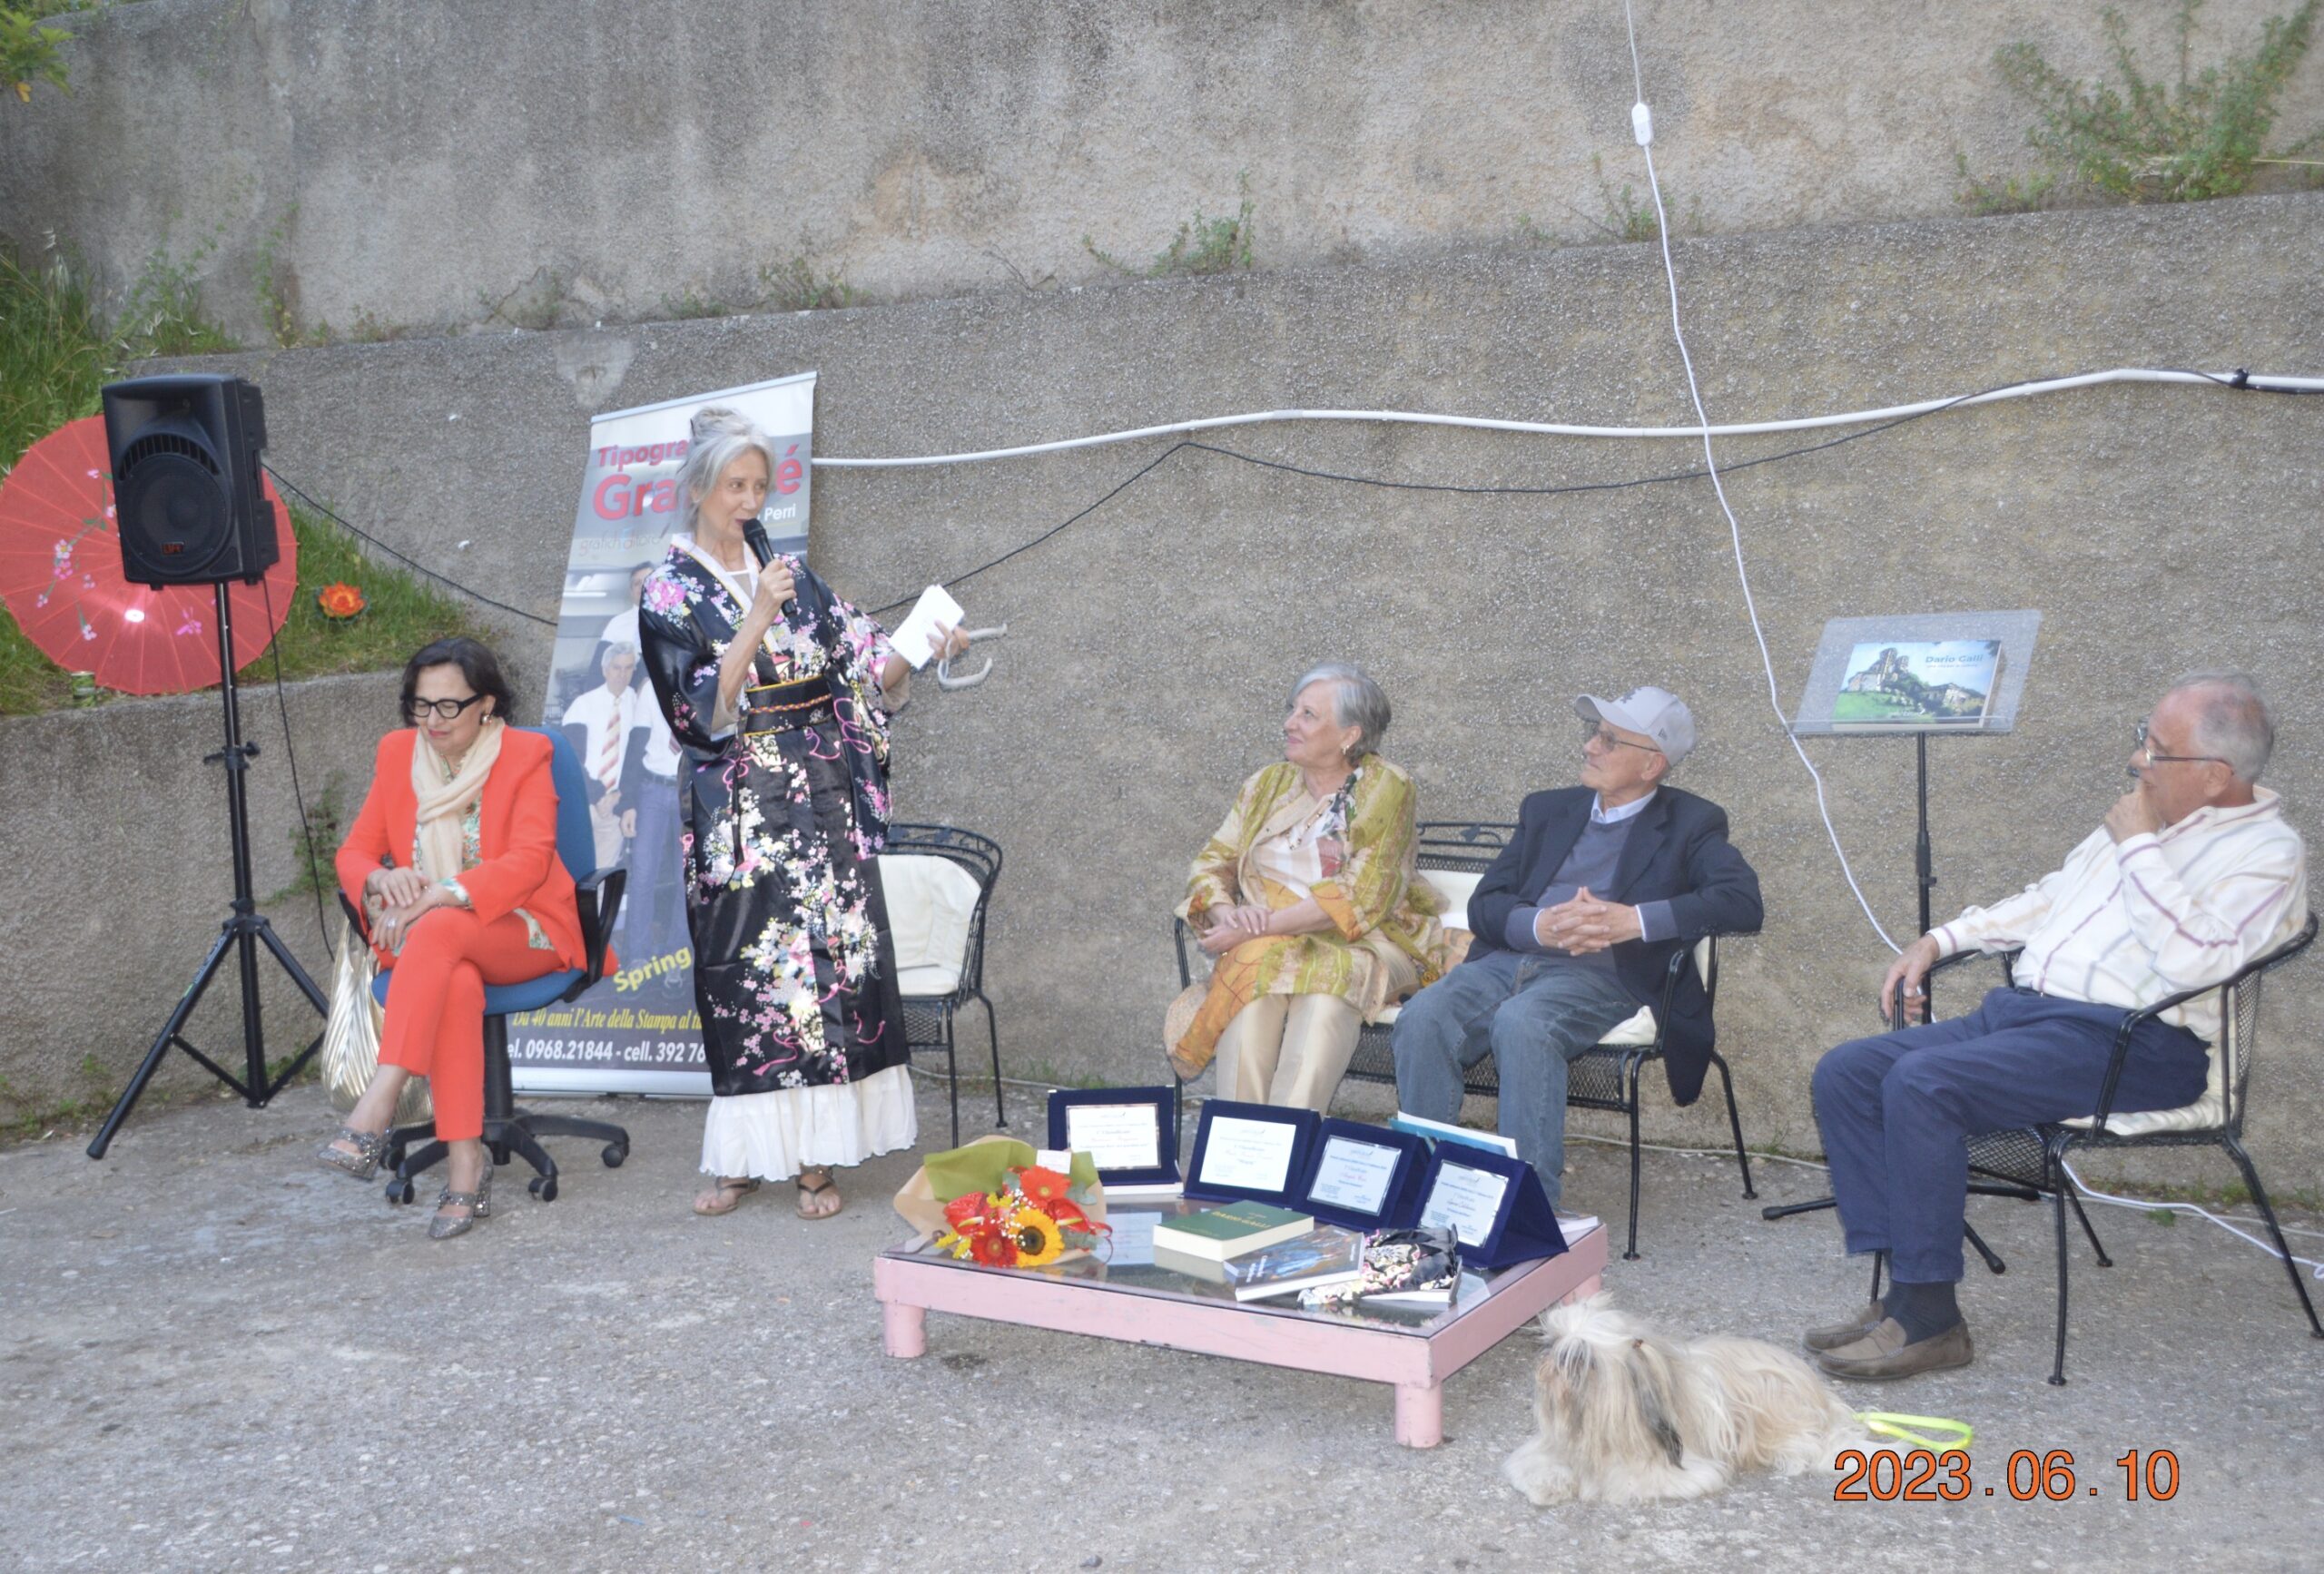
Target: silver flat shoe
column 370, row 1148
column 478, row 1203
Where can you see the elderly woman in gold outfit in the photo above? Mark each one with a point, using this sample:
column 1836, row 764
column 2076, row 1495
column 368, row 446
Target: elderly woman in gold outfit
column 1307, row 898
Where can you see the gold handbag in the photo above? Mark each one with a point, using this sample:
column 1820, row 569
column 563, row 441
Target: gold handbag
column 351, row 1051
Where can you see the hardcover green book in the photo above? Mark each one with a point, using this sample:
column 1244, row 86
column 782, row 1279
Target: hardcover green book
column 1230, row 1230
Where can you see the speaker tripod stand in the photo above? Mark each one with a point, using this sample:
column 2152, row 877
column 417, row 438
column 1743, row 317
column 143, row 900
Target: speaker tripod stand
column 241, row 935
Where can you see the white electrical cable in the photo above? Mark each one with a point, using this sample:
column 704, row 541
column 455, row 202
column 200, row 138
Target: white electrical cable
column 1564, row 430
column 1642, row 128
column 2098, row 1197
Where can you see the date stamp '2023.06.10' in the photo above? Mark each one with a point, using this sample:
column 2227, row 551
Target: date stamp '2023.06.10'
column 1925, row 1476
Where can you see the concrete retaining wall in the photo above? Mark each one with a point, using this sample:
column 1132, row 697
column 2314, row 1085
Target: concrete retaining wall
column 425, row 164
column 2157, row 529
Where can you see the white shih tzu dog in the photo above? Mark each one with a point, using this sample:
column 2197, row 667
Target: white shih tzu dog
column 1626, row 1416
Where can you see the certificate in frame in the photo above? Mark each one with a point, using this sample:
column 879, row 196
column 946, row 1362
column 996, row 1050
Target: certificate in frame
column 1399, row 1207
column 1299, row 1145
column 1524, row 1225
column 1161, row 1103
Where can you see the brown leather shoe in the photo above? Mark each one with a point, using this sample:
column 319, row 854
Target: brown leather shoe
column 1883, row 1353
column 1832, row 1335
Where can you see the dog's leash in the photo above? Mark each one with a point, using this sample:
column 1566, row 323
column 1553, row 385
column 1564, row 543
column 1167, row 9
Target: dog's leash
column 1952, row 1434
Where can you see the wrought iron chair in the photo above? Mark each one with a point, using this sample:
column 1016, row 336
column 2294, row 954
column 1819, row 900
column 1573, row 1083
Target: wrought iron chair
column 2030, row 1162
column 939, row 881
column 2216, row 1120
column 507, row 1128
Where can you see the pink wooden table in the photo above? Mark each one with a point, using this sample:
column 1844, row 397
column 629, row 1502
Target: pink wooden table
column 1413, row 1351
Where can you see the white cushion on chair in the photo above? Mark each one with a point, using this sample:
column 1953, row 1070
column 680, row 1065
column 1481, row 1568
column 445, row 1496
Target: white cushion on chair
column 931, row 903
column 1453, row 888
column 2207, row 1113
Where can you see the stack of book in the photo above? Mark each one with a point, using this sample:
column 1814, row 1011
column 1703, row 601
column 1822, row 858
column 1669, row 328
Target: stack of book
column 1257, row 1250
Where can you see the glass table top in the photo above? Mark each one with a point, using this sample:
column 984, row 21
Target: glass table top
column 1125, row 1264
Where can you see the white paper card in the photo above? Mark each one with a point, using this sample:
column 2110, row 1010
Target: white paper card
column 1354, row 1174
column 1466, row 1200
column 915, row 637
column 1116, row 1136
column 1252, row 1155
column 1058, row 1159
column 1131, row 1243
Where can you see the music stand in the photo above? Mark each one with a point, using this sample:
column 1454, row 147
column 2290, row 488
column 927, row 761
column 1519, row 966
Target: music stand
column 1841, row 667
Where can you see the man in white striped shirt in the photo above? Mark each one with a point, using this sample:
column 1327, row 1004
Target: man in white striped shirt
column 2194, row 874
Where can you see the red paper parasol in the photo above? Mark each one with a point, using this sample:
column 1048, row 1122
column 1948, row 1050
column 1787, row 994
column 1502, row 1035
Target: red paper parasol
column 61, row 578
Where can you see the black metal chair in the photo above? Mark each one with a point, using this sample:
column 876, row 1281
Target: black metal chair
column 2028, row 1163
column 1605, row 1077
column 2238, row 1042
column 938, row 987
column 507, row 1129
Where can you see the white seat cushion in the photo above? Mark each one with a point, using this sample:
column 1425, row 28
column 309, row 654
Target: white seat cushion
column 1453, row 887
column 931, row 903
column 2207, row 1113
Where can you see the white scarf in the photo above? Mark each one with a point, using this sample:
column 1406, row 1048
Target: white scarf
column 444, row 804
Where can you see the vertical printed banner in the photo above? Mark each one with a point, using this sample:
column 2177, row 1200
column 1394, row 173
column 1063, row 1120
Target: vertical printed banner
column 638, row 1030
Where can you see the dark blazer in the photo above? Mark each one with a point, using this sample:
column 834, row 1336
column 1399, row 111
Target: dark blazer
column 1678, row 852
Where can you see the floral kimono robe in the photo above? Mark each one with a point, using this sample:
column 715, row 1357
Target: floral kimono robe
column 793, row 966
column 1389, row 942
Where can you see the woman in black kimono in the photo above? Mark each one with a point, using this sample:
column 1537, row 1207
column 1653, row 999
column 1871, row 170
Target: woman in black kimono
column 779, row 694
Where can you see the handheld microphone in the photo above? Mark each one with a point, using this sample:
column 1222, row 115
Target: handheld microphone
column 754, row 535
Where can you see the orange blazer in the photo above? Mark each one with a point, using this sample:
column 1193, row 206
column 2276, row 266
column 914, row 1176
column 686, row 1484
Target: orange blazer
column 517, row 833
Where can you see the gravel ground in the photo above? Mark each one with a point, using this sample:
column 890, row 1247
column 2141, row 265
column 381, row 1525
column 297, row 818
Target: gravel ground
column 215, row 1356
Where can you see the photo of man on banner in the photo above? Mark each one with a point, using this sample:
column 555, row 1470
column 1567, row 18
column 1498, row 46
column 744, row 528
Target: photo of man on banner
column 638, row 1031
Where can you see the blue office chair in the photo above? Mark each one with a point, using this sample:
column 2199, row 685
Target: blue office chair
column 507, row 1128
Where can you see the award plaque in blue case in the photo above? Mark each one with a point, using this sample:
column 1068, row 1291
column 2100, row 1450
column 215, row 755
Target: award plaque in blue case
column 1228, row 1164
column 1494, row 1203
column 1364, row 1177
column 1124, row 1114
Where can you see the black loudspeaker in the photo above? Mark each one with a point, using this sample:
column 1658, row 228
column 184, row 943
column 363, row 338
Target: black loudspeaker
column 188, row 501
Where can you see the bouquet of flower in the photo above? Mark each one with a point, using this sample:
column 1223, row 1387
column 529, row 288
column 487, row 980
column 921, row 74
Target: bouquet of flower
column 993, row 1203
column 1030, row 1223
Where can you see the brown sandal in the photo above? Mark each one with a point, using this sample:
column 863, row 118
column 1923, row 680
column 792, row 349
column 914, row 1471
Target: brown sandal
column 727, row 1193
column 806, row 1191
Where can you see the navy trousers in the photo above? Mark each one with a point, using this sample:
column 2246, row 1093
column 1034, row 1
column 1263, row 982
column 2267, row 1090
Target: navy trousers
column 1897, row 1110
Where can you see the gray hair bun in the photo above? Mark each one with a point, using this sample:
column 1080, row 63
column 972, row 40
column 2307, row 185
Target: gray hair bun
column 717, row 420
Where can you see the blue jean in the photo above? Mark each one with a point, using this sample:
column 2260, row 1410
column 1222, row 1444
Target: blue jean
column 1897, row 1110
column 1531, row 1014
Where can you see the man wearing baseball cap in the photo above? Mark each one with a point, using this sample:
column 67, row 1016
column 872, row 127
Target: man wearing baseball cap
column 1576, row 923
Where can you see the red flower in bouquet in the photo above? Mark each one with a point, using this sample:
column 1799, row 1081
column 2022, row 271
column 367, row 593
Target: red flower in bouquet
column 968, row 1205
column 1069, row 1214
column 1042, row 1187
column 339, row 599
column 993, row 1248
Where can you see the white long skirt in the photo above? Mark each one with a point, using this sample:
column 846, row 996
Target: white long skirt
column 775, row 1136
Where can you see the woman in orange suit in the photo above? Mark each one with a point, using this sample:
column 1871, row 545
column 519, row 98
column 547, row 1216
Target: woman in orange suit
column 454, row 861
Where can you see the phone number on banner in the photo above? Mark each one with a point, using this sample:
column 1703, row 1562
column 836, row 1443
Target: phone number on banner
column 606, row 1052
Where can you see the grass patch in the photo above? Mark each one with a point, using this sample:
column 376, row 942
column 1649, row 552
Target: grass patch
column 796, row 286
column 1202, row 245
column 2142, row 139
column 55, row 354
